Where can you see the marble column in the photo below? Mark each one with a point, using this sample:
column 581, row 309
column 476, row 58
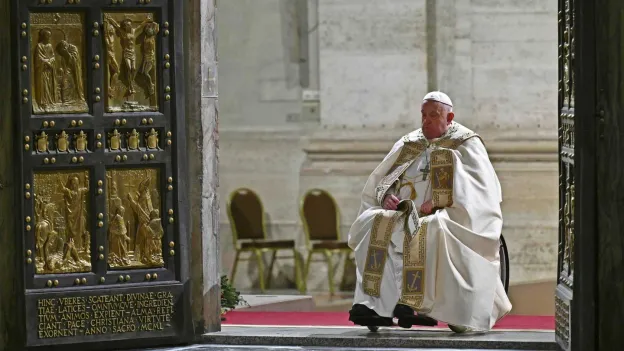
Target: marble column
column 202, row 118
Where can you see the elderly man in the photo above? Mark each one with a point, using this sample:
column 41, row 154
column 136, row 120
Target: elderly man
column 427, row 236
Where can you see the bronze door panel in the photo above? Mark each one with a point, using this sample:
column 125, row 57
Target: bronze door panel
column 102, row 137
column 135, row 229
column 130, row 74
column 61, row 214
column 57, row 48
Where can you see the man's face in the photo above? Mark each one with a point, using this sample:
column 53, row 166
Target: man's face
column 46, row 37
column 435, row 119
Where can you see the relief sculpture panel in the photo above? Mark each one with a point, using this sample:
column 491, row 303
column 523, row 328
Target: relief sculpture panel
column 62, row 238
column 135, row 231
column 131, row 79
column 58, row 77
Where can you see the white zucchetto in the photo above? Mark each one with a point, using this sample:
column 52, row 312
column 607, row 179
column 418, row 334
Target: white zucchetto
column 439, row 97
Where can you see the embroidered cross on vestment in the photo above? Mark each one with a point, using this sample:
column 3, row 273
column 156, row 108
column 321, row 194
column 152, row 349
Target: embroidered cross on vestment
column 425, row 171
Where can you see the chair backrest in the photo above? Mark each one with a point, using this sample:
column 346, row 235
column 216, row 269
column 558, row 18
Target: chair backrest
column 320, row 215
column 246, row 215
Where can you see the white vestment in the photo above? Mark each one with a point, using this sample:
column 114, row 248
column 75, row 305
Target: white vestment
column 456, row 249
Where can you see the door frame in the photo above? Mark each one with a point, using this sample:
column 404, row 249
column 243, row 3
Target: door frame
column 583, row 317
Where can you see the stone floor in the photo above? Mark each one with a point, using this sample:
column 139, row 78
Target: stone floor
column 322, row 300
column 282, row 348
column 277, row 303
column 285, row 338
column 354, row 337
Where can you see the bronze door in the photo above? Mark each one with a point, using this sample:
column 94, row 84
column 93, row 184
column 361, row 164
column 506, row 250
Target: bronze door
column 579, row 131
column 565, row 278
column 103, row 207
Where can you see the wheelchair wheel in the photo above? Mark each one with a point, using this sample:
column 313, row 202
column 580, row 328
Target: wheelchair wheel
column 504, row 263
column 374, row 329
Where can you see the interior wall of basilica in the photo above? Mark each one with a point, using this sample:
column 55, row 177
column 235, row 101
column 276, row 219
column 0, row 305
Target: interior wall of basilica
column 313, row 93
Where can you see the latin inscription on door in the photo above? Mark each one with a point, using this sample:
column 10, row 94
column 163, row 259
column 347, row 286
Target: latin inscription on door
column 91, row 314
column 121, row 313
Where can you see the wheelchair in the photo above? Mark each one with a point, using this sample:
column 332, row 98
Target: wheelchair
column 504, row 276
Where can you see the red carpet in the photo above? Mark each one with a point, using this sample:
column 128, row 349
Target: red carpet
column 341, row 319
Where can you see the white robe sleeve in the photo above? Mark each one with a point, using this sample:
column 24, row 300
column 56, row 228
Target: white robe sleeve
column 368, row 194
column 476, row 199
column 369, row 201
column 465, row 287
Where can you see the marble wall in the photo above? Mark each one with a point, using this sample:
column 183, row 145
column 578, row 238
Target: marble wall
column 373, row 62
column 499, row 63
column 495, row 58
column 259, row 93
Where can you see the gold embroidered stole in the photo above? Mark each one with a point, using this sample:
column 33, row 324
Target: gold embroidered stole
column 414, row 258
column 384, row 221
column 414, row 246
column 383, row 226
column 442, row 171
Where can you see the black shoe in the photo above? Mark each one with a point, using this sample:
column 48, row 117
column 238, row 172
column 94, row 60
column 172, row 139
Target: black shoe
column 362, row 315
column 407, row 318
column 401, row 310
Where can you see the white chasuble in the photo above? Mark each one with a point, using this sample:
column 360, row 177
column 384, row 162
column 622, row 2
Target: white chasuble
column 446, row 264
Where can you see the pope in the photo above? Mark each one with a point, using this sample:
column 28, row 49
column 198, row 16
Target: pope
column 426, row 239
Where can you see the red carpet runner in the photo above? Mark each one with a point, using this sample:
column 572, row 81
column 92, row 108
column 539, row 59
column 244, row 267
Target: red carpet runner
column 341, row 319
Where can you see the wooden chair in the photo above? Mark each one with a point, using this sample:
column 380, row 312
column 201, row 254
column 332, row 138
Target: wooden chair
column 247, row 220
column 321, row 223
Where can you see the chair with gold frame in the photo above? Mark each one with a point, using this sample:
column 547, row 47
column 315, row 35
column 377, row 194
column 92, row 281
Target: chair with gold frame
column 247, row 220
column 321, row 223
